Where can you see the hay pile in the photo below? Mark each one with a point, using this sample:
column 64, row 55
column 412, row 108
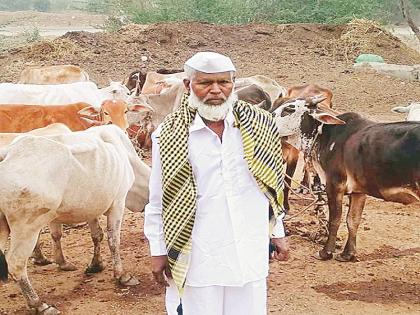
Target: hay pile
column 51, row 51
column 365, row 36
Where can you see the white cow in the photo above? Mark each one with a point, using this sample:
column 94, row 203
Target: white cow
column 413, row 110
column 60, row 94
column 69, row 178
column 58, row 74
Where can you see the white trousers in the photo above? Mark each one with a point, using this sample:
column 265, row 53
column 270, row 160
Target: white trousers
column 251, row 299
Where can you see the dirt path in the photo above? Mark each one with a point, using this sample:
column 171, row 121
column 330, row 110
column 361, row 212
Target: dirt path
column 386, row 280
column 49, row 24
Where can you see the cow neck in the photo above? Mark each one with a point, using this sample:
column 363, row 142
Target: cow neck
column 308, row 154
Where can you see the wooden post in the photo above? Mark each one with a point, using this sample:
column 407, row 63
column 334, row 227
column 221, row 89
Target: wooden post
column 406, row 14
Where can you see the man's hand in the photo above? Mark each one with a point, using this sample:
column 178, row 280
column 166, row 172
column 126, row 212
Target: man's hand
column 281, row 251
column 159, row 267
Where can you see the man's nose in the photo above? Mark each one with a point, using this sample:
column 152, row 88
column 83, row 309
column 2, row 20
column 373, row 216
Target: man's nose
column 215, row 89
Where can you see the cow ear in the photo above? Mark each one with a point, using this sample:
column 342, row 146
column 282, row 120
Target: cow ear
column 140, row 108
column 89, row 111
column 328, row 119
column 91, row 122
column 400, row 109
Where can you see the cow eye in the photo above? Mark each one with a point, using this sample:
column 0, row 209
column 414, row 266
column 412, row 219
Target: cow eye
column 106, row 114
column 126, row 111
column 288, row 110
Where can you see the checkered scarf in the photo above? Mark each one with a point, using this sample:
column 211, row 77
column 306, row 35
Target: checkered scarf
column 262, row 150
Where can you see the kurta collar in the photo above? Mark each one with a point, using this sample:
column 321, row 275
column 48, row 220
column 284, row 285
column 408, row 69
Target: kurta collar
column 198, row 123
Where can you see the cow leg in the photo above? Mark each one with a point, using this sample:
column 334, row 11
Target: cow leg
column 335, row 193
column 21, row 247
column 97, row 235
column 115, row 216
column 37, row 255
column 354, row 216
column 56, row 234
column 4, row 232
column 291, row 162
column 306, row 180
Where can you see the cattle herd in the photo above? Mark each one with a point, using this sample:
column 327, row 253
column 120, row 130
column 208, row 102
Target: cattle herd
column 56, row 169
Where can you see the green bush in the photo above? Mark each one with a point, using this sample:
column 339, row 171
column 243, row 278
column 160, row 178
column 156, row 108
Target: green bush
column 42, row 5
column 272, row 11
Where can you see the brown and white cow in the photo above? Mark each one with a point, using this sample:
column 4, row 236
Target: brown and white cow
column 356, row 157
column 291, row 154
column 137, row 79
column 53, row 75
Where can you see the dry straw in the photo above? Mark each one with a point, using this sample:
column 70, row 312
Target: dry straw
column 356, row 38
column 52, row 50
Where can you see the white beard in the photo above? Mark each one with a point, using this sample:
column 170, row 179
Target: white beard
column 212, row 112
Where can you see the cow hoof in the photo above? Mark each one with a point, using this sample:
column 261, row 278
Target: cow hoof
column 128, row 280
column 45, row 309
column 42, row 261
column 346, row 258
column 94, row 268
column 67, row 267
column 323, row 255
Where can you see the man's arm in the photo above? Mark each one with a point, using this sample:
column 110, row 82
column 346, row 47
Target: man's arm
column 153, row 222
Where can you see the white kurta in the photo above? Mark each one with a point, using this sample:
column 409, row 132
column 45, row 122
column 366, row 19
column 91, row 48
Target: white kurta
column 231, row 230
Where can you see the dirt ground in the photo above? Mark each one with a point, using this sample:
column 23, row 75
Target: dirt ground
column 13, row 22
column 386, row 280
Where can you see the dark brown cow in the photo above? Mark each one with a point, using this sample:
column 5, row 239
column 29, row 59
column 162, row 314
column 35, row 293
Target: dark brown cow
column 357, row 157
column 255, row 95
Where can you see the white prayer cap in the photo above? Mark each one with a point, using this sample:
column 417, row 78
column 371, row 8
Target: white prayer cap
column 210, row 62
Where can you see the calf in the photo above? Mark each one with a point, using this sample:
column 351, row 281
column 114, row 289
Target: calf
column 79, row 116
column 355, row 157
column 68, row 178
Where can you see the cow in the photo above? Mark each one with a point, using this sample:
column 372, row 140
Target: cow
column 79, row 116
column 157, row 83
column 136, row 79
column 270, row 86
column 413, row 110
column 356, row 157
column 53, row 75
column 55, row 128
column 68, row 178
column 61, row 94
column 291, row 154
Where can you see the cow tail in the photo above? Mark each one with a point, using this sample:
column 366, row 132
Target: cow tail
column 4, row 271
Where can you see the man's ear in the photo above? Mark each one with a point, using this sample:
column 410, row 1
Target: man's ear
column 187, row 85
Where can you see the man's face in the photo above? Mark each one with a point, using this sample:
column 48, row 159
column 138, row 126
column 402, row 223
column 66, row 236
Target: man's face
column 211, row 88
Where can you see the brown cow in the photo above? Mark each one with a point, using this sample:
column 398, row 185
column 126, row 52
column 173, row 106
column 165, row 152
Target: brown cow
column 292, row 154
column 356, row 157
column 79, row 116
column 53, row 75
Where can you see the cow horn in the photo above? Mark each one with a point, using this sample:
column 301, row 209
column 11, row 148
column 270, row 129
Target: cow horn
column 314, row 100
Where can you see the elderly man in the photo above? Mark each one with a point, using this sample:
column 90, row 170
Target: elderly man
column 215, row 197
